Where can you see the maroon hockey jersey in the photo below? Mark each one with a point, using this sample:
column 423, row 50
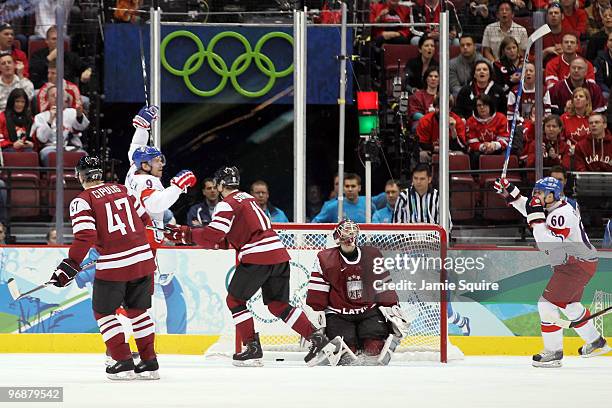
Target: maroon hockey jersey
column 338, row 285
column 108, row 218
column 239, row 220
column 594, row 155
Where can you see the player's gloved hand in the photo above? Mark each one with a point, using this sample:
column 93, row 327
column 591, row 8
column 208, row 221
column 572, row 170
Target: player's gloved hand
column 507, row 190
column 535, row 211
column 145, row 117
column 179, row 234
column 184, row 179
column 65, row 273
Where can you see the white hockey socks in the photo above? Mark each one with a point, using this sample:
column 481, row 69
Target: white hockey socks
column 576, row 311
column 551, row 333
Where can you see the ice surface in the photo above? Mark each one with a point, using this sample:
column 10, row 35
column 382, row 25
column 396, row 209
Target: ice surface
column 192, row 381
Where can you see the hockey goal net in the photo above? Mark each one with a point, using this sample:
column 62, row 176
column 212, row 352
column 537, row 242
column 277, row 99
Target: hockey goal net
column 428, row 337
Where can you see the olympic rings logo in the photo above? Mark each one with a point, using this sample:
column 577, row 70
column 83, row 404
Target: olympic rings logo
column 219, row 66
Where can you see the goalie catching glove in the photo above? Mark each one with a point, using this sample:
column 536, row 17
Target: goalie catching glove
column 179, row 234
column 65, row 273
column 506, row 189
column 400, row 321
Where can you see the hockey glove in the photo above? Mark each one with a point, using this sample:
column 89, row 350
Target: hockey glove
column 400, row 321
column 65, row 273
column 506, row 189
column 179, row 234
column 535, row 211
column 184, row 179
column 145, row 117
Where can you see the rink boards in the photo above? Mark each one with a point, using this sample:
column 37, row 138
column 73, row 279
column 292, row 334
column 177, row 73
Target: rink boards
column 190, row 311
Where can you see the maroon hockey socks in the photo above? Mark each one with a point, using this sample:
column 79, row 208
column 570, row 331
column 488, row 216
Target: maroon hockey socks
column 144, row 333
column 113, row 336
column 293, row 316
column 243, row 319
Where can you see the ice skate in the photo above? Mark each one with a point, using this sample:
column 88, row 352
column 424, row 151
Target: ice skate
column 596, row 348
column 147, row 370
column 252, row 356
column 548, row 359
column 121, row 370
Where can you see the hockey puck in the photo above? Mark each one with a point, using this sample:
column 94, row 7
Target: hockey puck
column 280, row 359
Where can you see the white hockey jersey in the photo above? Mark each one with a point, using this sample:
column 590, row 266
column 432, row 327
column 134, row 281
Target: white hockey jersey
column 149, row 189
column 562, row 235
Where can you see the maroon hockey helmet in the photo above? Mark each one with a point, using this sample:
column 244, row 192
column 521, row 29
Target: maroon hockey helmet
column 346, row 232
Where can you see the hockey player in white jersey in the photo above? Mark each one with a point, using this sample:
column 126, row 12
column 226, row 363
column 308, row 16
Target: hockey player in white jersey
column 559, row 233
column 144, row 176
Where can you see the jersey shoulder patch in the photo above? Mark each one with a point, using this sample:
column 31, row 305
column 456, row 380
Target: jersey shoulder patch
column 77, row 205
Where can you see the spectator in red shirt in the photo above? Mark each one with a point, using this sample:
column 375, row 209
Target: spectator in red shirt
column 390, row 12
column 7, row 37
column 551, row 43
column 554, row 149
column 428, row 132
column 16, row 122
column 574, row 18
column 422, row 101
column 558, row 68
column 576, row 118
column 486, row 130
column 594, row 152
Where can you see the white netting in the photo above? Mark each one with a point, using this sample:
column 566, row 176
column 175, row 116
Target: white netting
column 601, row 300
column 407, row 241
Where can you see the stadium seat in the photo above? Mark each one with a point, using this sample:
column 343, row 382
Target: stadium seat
column 496, row 162
column 394, row 52
column 72, row 187
column 455, row 50
column 24, row 196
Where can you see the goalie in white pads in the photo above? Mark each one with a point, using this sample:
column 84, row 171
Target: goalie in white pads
column 558, row 232
column 344, row 286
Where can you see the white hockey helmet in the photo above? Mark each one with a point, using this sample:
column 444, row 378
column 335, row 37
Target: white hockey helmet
column 346, row 232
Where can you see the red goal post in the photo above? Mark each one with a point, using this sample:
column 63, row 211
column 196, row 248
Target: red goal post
column 304, row 241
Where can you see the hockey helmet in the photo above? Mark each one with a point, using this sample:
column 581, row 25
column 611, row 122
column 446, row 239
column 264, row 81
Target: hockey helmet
column 549, row 185
column 227, row 177
column 346, row 232
column 145, row 154
column 89, row 168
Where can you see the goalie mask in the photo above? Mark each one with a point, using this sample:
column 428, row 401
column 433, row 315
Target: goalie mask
column 89, row 168
column 346, row 232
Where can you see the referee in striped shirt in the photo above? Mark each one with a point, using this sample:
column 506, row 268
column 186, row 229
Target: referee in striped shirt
column 419, row 202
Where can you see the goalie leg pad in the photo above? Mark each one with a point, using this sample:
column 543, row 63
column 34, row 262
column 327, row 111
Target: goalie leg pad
column 388, row 349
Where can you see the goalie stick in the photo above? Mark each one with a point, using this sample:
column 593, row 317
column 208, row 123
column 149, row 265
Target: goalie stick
column 536, row 35
column 568, row 324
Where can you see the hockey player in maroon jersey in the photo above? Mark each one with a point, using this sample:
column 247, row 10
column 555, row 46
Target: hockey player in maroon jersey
column 105, row 216
column 345, row 286
column 263, row 263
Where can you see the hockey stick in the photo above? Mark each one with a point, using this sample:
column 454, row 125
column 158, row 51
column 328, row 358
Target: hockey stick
column 39, row 287
column 144, row 67
column 536, row 35
column 568, row 324
column 157, row 229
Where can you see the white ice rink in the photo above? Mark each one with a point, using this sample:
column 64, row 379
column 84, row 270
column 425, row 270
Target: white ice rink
column 192, row 381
